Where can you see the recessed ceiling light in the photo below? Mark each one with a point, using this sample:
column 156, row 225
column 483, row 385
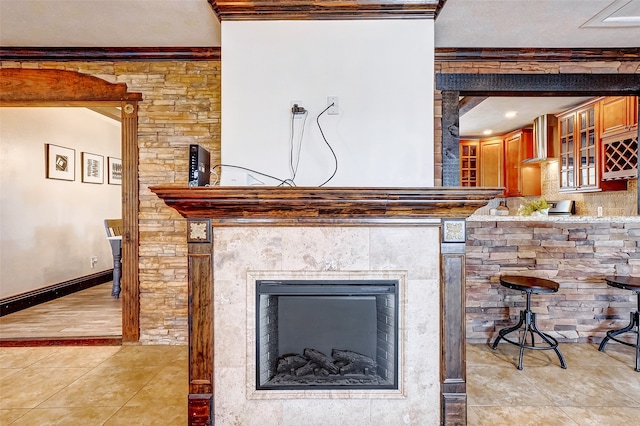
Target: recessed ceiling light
column 510, row 114
column 487, row 132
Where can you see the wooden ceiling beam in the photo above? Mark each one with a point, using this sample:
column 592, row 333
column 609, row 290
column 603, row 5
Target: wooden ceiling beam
column 265, row 10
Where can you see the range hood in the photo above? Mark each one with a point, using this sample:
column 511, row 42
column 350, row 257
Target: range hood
column 542, row 137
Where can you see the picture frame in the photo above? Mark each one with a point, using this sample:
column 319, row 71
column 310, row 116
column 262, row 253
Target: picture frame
column 114, row 171
column 60, row 162
column 92, row 168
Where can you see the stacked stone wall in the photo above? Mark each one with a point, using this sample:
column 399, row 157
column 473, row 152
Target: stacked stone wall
column 577, row 255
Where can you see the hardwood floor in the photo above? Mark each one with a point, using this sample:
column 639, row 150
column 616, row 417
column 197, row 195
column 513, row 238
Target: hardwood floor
column 88, row 313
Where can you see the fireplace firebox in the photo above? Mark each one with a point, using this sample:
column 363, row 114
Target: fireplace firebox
column 326, row 334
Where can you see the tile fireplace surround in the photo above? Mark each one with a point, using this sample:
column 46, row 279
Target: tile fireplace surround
column 239, row 235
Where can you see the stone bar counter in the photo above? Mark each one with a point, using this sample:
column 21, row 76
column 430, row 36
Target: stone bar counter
column 576, row 251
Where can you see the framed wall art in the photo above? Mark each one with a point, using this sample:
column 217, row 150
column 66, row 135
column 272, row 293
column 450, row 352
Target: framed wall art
column 60, row 162
column 114, row 172
column 92, row 168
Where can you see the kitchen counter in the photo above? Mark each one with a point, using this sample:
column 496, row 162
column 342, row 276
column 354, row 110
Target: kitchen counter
column 554, row 218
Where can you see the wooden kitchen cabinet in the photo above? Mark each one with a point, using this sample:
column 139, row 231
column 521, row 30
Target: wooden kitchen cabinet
column 617, row 114
column 579, row 154
column 521, row 179
column 469, row 163
column 491, row 153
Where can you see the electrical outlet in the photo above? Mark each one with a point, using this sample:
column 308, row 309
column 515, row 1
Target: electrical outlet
column 94, row 260
column 297, row 109
column 332, row 103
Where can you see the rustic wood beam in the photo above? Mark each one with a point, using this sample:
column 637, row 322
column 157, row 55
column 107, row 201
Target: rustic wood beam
column 468, row 103
column 263, row 10
column 540, row 84
column 514, row 54
column 306, row 205
column 64, row 54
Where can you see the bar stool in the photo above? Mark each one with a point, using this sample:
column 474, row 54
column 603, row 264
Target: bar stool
column 527, row 323
column 633, row 284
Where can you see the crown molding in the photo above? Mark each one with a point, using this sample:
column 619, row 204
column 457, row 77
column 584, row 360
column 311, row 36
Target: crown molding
column 510, row 54
column 29, row 53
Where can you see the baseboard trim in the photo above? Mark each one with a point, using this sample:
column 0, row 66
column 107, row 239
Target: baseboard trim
column 62, row 341
column 22, row 301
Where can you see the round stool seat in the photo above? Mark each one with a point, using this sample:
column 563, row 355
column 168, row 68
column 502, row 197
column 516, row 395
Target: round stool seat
column 529, row 284
column 624, row 282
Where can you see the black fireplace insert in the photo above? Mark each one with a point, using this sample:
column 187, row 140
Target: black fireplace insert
column 327, row 334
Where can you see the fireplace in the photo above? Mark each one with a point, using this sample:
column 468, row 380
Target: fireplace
column 327, row 334
column 237, row 236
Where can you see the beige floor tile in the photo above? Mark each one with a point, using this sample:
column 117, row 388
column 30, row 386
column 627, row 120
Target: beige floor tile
column 604, row 416
column 166, row 415
column 103, row 387
column 576, row 387
column 81, row 356
column 24, row 357
column 520, row 416
column 587, row 355
column 31, row 386
column 6, row 372
column 169, row 387
column 148, row 355
column 501, row 386
column 11, row 415
column 66, row 416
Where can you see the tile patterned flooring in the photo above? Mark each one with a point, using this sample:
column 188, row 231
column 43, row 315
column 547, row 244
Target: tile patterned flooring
column 93, row 385
column 148, row 385
column 597, row 388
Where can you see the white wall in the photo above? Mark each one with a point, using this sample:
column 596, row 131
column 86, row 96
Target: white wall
column 381, row 71
column 50, row 228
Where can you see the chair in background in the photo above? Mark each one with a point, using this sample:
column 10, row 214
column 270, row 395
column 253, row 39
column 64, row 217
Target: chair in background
column 114, row 235
column 113, row 227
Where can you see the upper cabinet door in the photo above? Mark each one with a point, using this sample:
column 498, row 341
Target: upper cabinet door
column 618, row 114
column 491, row 162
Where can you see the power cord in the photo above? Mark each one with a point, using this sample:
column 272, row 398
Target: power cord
column 294, row 168
column 335, row 158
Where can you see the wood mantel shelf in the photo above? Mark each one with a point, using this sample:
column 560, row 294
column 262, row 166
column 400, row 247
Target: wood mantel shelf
column 234, row 10
column 313, row 204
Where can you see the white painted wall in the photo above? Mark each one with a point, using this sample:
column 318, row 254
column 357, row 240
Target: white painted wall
column 49, row 229
column 381, row 71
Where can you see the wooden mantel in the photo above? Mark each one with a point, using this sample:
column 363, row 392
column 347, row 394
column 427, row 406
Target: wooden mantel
column 208, row 207
column 313, row 204
column 233, row 10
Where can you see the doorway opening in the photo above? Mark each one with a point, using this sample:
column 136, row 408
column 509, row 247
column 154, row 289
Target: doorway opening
column 43, row 87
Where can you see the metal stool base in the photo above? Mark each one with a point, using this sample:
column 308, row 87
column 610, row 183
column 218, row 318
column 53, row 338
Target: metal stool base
column 633, row 327
column 528, row 319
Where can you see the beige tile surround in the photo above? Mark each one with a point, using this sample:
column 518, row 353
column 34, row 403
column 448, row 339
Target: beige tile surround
column 409, row 253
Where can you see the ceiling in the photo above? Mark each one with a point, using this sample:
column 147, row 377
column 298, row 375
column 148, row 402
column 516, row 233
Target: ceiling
column 460, row 24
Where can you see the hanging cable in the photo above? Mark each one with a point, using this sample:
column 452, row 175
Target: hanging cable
column 282, row 181
column 294, row 168
column 335, row 158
